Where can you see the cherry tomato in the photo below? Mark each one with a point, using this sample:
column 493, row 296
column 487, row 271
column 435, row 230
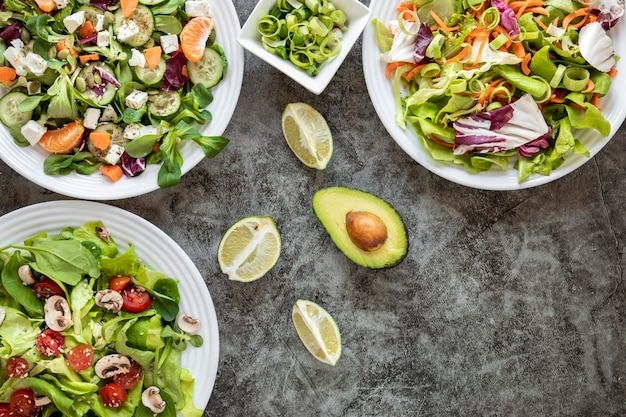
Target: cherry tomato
column 5, row 410
column 22, row 403
column 119, row 283
column 131, row 378
column 136, row 299
column 17, row 367
column 113, row 395
column 80, row 357
column 46, row 288
column 50, row 342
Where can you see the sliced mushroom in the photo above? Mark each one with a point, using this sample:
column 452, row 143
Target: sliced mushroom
column 188, row 324
column 57, row 313
column 109, row 299
column 111, row 365
column 152, row 400
column 41, row 400
column 103, row 234
column 2, row 314
column 26, row 274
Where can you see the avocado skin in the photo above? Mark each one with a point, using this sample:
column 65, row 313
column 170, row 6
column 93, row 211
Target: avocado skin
column 331, row 205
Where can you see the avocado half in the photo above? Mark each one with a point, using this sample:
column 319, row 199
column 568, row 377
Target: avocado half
column 332, row 205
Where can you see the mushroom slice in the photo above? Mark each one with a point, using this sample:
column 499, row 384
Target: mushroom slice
column 188, row 324
column 103, row 234
column 3, row 313
column 41, row 400
column 26, row 275
column 57, row 313
column 109, row 299
column 152, row 400
column 111, row 365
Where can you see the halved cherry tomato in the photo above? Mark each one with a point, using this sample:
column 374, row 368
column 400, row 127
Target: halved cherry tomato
column 17, row 367
column 22, row 403
column 46, row 288
column 80, row 357
column 136, row 299
column 131, row 378
column 50, row 342
column 5, row 410
column 113, row 395
column 119, row 283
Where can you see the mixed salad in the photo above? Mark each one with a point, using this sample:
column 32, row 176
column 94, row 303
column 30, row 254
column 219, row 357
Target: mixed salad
column 107, row 85
column 87, row 330
column 488, row 83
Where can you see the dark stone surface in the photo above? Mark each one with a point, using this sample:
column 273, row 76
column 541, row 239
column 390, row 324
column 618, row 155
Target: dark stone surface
column 508, row 303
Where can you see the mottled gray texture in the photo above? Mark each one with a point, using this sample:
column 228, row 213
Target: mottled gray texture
column 508, row 303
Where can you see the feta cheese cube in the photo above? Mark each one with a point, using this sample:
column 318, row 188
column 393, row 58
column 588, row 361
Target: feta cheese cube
column 169, row 43
column 74, row 21
column 61, row 4
column 115, row 153
column 132, row 131
column 136, row 99
column 108, row 114
column 127, row 30
column 99, row 22
column 14, row 57
column 195, row 8
column 137, row 59
column 90, row 121
column 103, row 38
column 35, row 63
column 33, row 131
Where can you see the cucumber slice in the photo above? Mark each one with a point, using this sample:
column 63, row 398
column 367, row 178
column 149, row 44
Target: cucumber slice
column 209, row 70
column 142, row 18
column 90, row 76
column 163, row 104
column 151, row 2
column 9, row 114
column 150, row 77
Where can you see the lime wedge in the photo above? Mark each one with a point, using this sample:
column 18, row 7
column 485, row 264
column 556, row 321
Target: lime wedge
column 249, row 248
column 307, row 134
column 317, row 330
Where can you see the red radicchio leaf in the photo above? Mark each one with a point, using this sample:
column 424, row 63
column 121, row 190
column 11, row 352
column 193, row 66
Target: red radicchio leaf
column 132, row 166
column 424, row 37
column 101, row 4
column 11, row 32
column 507, row 17
column 89, row 39
column 174, row 78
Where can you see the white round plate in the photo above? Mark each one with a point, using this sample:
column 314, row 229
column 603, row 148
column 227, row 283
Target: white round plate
column 156, row 249
column 379, row 89
column 29, row 161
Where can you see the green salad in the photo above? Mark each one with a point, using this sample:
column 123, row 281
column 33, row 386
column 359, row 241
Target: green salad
column 500, row 83
column 107, row 85
column 87, row 330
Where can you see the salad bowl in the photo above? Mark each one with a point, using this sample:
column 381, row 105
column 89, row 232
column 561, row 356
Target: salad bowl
column 157, row 251
column 380, row 91
column 29, row 161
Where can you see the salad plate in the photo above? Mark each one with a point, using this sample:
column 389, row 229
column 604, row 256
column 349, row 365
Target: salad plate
column 29, row 161
column 380, row 91
column 155, row 248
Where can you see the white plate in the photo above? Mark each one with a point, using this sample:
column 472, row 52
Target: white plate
column 379, row 89
column 29, row 161
column 156, row 249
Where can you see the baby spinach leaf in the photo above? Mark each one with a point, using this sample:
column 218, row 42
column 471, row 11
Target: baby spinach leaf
column 16, row 288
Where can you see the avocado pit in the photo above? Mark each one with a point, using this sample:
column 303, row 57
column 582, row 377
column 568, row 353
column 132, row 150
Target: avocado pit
column 366, row 230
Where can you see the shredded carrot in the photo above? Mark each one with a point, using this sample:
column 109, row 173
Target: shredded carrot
column 612, row 72
column 89, row 57
column 483, row 42
column 460, row 55
column 407, row 6
column 558, row 95
column 519, row 7
column 580, row 13
column 101, row 140
column 487, row 92
column 153, row 56
column 409, row 75
column 595, row 99
column 7, row 75
column 61, row 46
column 538, row 10
column 518, row 49
column 525, row 61
column 87, row 29
column 112, row 172
column 442, row 25
column 184, row 70
column 540, row 23
column 590, row 86
column 392, row 66
column 440, row 142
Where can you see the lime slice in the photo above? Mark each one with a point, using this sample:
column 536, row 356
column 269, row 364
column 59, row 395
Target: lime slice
column 307, row 134
column 249, row 248
column 317, row 330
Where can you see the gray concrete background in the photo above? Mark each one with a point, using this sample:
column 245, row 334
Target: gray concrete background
column 508, row 303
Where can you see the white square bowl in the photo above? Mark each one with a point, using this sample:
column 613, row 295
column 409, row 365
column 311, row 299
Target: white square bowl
column 357, row 15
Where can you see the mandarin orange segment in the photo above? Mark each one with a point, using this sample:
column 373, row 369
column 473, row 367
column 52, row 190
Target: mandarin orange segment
column 63, row 140
column 194, row 37
column 46, row 5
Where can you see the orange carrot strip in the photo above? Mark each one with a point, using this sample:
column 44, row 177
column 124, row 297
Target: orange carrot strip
column 612, row 72
column 595, row 99
column 392, row 66
column 460, row 55
column 61, row 46
column 89, row 57
column 7, row 75
column 101, row 140
column 153, row 56
column 590, row 86
column 87, row 29
column 440, row 142
column 580, row 13
column 409, row 75
column 518, row 49
column 538, row 10
column 407, row 6
column 442, row 25
column 540, row 23
column 485, row 95
column 525, row 61
column 112, row 172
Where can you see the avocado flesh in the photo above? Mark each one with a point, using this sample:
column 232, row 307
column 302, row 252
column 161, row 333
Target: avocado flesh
column 331, row 205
